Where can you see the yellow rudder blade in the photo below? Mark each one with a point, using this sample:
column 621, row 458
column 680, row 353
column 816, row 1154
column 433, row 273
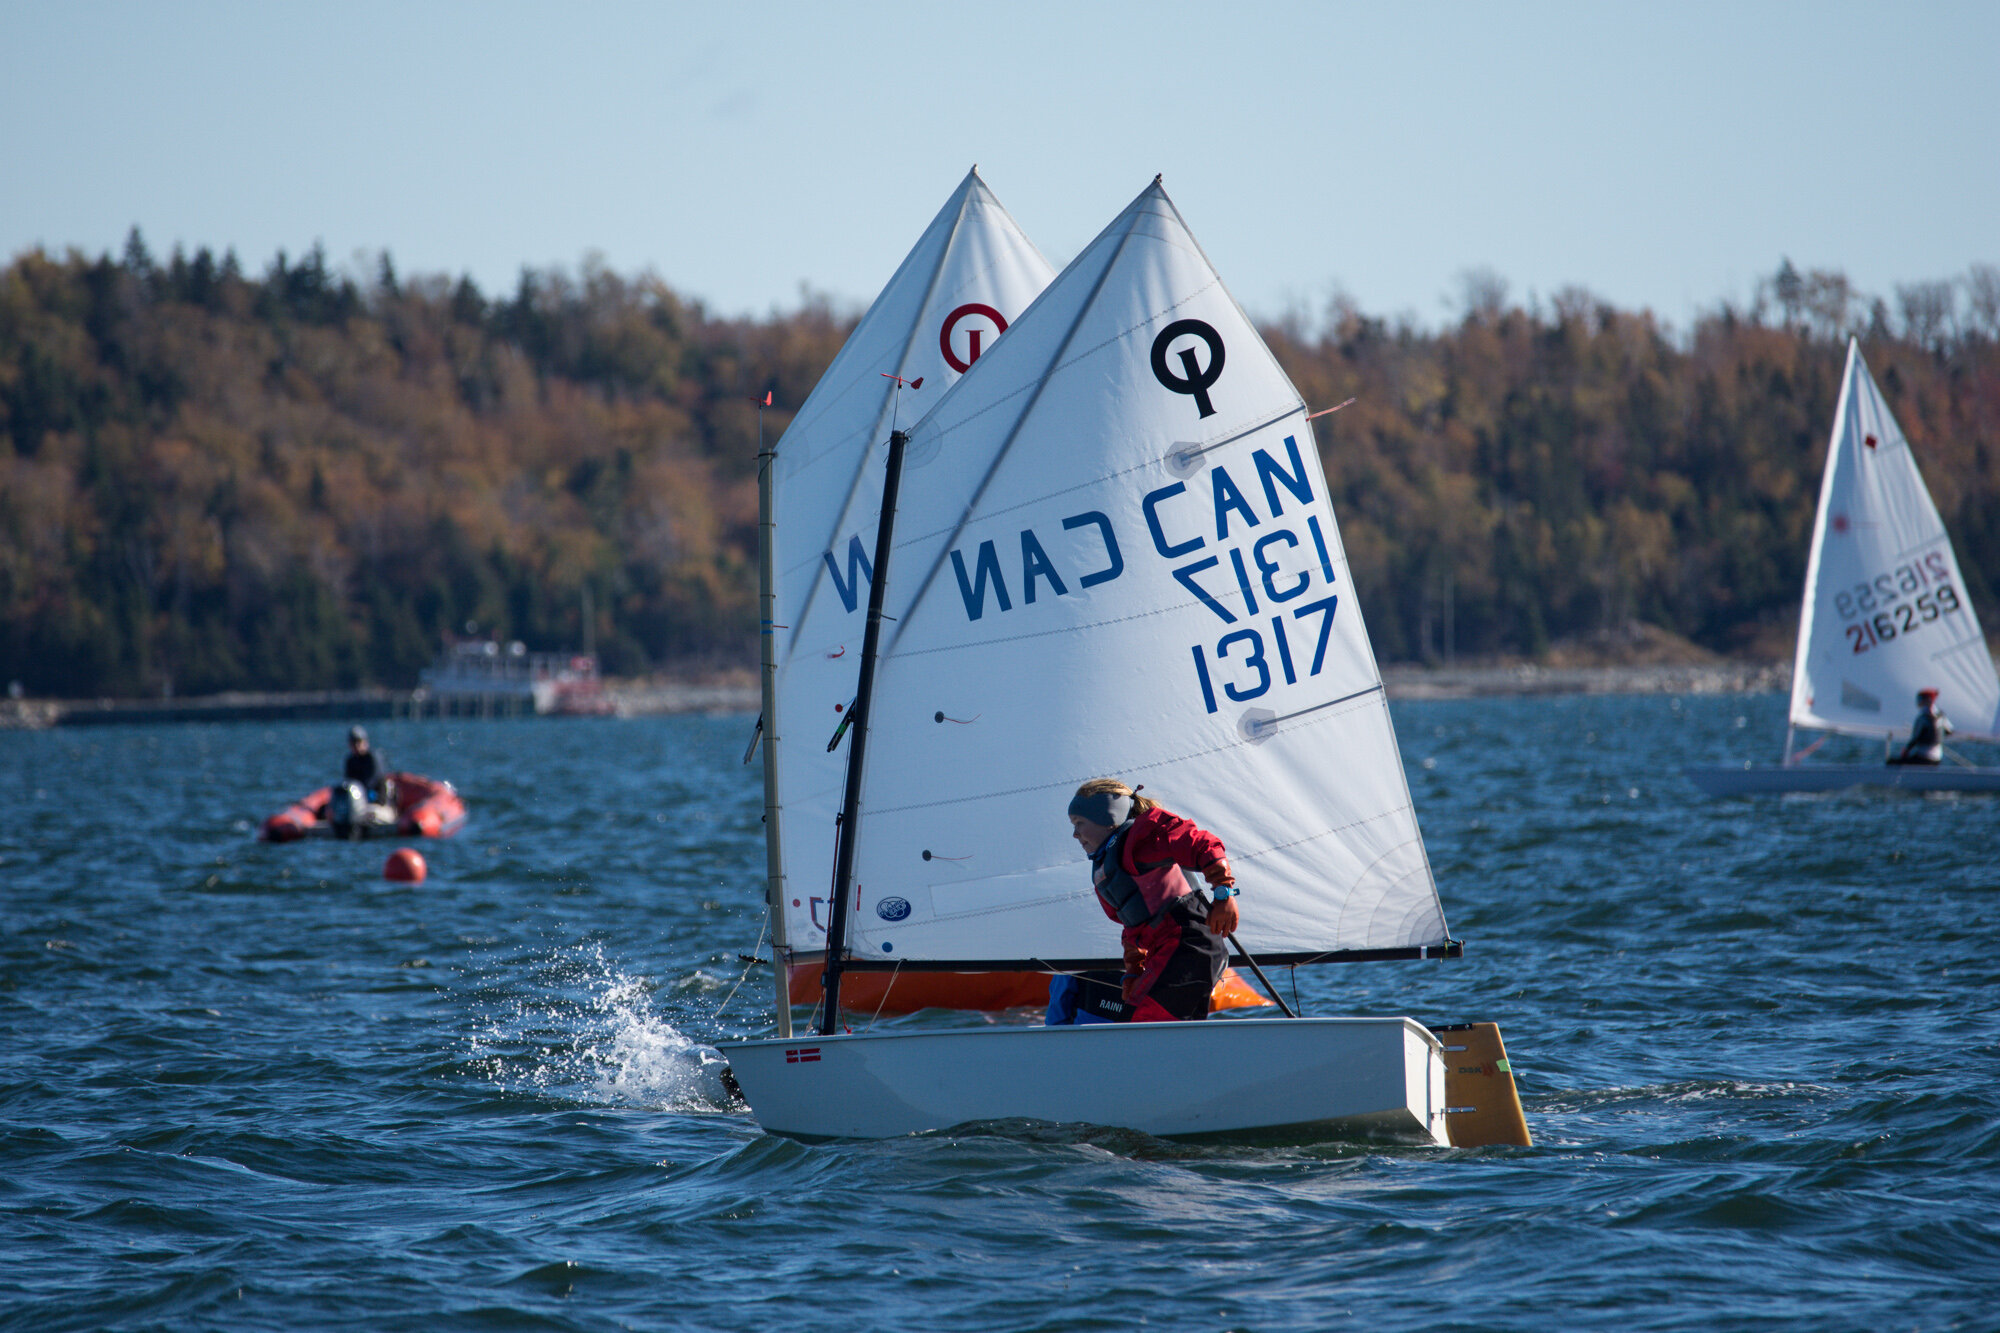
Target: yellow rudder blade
column 1482, row 1105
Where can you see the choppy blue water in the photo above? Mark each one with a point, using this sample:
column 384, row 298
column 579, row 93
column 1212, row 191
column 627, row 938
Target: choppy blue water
column 257, row 1087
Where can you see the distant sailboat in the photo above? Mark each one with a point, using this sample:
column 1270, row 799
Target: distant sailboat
column 1116, row 555
column 1885, row 615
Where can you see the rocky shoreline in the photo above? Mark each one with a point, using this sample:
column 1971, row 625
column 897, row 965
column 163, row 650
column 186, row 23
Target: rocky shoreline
column 1719, row 677
column 738, row 693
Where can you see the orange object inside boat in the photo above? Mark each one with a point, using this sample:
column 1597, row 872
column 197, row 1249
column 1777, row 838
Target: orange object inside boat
column 907, row 992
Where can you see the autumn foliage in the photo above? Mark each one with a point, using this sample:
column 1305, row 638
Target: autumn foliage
column 299, row 480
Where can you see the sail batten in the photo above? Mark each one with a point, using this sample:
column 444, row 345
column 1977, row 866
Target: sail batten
column 1885, row 612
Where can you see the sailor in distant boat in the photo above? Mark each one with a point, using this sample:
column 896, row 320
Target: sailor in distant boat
column 1173, row 936
column 1926, row 743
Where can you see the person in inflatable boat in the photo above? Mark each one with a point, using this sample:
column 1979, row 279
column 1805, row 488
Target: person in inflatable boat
column 1173, row 936
column 365, row 766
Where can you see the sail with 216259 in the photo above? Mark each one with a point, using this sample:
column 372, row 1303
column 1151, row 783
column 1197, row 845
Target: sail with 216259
column 1885, row 611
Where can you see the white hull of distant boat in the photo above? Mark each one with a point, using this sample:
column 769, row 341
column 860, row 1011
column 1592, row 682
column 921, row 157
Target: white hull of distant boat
column 1375, row 1078
column 1753, row 779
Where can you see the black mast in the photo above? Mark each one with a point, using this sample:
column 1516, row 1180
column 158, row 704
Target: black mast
column 864, row 695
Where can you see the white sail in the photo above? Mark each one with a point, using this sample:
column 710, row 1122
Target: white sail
column 1885, row 610
column 970, row 275
column 1115, row 555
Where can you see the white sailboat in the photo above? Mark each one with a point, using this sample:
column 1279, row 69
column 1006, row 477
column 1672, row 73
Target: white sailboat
column 1114, row 553
column 971, row 273
column 1885, row 615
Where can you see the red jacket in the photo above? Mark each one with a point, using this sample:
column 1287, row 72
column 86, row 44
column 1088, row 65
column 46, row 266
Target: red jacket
column 1161, row 837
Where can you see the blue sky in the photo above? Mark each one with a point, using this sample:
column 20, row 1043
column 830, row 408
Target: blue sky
column 1663, row 156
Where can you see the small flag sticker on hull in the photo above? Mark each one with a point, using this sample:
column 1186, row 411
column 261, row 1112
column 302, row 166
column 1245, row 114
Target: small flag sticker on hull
column 802, row 1055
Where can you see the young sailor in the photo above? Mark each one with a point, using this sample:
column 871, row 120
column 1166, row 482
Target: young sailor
column 1926, row 743
column 1173, row 937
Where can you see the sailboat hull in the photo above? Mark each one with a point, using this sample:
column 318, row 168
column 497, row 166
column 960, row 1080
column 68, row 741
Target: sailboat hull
column 1379, row 1078
column 1755, row 779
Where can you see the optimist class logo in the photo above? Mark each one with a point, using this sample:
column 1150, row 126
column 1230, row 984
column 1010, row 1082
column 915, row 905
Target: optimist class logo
column 973, row 334
column 1198, row 378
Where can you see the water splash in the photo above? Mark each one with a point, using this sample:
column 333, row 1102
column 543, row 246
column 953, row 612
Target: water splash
column 593, row 1034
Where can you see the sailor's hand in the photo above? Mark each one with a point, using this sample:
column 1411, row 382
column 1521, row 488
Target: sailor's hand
column 1222, row 919
column 1218, row 875
column 1135, row 959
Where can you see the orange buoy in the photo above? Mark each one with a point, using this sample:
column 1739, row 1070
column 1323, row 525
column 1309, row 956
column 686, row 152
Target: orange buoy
column 404, row 866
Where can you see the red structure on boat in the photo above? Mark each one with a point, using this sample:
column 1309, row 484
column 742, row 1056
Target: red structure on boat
column 907, row 992
column 424, row 808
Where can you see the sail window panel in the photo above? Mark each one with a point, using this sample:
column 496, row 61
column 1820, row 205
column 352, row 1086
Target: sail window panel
column 1013, row 917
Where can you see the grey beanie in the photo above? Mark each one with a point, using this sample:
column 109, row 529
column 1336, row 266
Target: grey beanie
column 1103, row 808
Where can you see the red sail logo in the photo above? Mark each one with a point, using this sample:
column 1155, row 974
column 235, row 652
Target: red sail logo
column 973, row 335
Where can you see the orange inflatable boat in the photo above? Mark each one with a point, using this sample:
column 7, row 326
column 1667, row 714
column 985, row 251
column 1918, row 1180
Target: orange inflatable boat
column 421, row 808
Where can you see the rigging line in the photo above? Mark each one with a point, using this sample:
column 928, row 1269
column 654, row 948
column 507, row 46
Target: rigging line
column 1810, row 748
column 1000, row 456
column 889, row 405
column 886, row 986
column 762, row 930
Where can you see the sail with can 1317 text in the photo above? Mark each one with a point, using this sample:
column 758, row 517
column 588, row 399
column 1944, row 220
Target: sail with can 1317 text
column 1885, row 612
column 1115, row 555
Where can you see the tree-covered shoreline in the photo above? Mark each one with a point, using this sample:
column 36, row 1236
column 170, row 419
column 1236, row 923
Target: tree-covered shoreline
column 299, row 480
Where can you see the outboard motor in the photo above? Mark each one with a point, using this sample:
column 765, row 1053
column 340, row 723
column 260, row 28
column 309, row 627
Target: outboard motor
column 346, row 808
